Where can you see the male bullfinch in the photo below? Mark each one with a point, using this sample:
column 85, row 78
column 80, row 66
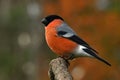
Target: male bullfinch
column 64, row 41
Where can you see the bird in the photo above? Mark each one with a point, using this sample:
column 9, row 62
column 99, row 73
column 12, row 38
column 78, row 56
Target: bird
column 65, row 42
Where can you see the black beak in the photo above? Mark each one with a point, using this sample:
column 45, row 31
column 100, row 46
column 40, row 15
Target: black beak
column 44, row 21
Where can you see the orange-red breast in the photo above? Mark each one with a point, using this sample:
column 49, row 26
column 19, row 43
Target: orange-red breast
column 64, row 41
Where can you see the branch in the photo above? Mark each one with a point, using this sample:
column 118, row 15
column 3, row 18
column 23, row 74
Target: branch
column 59, row 70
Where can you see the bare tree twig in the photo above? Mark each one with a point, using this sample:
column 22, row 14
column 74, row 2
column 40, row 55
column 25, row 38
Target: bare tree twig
column 59, row 70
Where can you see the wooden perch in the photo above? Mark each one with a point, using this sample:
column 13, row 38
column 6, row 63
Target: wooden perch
column 59, row 70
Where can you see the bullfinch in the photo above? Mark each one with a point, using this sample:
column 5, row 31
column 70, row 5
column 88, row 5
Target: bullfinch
column 63, row 41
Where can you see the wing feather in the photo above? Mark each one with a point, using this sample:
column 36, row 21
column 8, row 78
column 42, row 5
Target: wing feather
column 65, row 31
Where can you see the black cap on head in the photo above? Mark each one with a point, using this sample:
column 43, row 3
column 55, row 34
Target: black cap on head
column 49, row 19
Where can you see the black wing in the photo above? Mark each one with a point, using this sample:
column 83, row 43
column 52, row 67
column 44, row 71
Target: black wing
column 75, row 39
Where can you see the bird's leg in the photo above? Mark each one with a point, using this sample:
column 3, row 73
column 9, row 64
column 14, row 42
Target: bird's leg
column 67, row 62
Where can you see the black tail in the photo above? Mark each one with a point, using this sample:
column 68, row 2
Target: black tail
column 103, row 60
column 96, row 56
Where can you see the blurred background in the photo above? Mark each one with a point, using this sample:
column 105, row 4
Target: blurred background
column 24, row 54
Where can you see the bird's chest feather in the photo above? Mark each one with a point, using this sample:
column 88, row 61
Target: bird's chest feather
column 59, row 45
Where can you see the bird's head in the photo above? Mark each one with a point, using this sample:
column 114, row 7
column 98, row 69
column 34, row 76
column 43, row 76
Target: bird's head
column 50, row 18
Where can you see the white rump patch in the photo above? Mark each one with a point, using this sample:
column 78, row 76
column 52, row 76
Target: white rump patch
column 79, row 52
